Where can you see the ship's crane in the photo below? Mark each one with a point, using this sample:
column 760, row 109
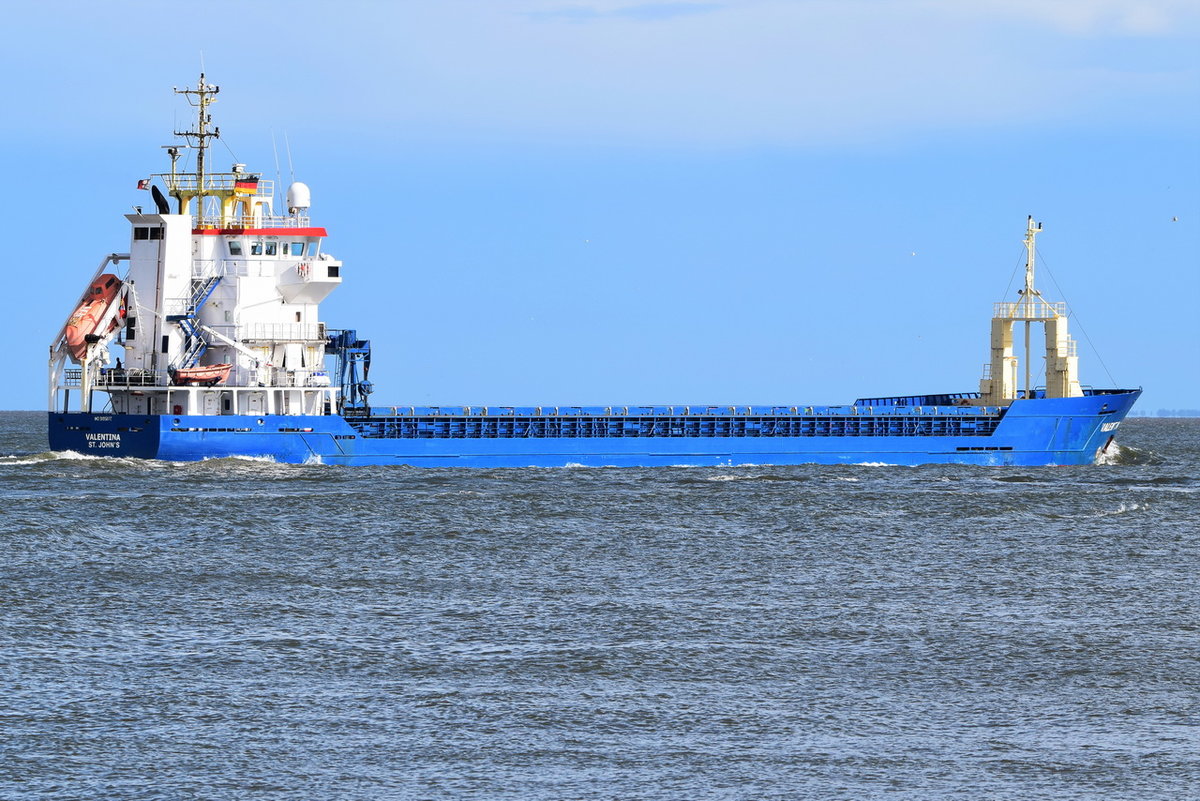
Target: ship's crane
column 353, row 366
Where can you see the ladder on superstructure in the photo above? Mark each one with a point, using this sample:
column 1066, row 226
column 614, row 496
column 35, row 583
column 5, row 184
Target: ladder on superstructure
column 194, row 345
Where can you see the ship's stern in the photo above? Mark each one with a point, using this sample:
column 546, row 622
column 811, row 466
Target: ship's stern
column 130, row 435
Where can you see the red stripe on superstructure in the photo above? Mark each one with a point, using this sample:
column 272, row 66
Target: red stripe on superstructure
column 260, row 231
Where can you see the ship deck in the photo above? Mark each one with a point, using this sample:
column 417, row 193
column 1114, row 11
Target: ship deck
column 540, row 422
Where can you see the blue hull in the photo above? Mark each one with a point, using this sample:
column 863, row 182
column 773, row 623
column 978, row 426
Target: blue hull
column 1058, row 431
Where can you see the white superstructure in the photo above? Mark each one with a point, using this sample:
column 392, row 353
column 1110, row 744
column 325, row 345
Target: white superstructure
column 218, row 306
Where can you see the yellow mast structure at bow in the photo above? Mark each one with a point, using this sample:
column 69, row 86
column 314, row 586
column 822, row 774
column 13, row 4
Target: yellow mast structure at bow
column 999, row 384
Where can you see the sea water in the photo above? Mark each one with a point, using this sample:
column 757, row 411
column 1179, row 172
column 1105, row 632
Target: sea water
column 239, row 629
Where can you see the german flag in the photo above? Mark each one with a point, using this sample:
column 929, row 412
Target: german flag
column 246, row 184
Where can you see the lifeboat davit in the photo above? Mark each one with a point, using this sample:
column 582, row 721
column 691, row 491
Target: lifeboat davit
column 207, row 375
column 92, row 309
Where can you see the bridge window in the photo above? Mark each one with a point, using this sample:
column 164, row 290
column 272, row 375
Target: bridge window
column 256, row 248
column 297, row 249
column 235, row 247
column 271, row 248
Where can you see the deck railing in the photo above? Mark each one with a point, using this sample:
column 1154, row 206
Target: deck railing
column 114, row 378
column 224, row 183
column 281, row 332
column 111, row 377
column 214, row 182
column 1030, row 310
column 261, row 221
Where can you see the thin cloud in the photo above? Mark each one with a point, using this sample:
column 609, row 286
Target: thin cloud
column 645, row 12
column 657, row 11
column 765, row 71
column 705, row 73
column 1085, row 18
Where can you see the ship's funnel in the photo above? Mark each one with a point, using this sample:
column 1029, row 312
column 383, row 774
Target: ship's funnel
column 160, row 201
column 298, row 197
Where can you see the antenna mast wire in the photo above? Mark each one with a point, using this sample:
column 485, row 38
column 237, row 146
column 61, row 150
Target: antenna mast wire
column 1074, row 314
column 288, row 145
column 275, row 199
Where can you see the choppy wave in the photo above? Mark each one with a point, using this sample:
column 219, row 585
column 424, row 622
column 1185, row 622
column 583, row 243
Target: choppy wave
column 18, row 460
column 1154, row 481
column 50, row 457
column 21, row 460
column 1123, row 508
column 763, row 477
column 1118, row 454
column 244, row 458
column 1020, row 478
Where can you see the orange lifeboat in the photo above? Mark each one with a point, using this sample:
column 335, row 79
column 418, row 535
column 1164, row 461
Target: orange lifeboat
column 208, row 375
column 86, row 319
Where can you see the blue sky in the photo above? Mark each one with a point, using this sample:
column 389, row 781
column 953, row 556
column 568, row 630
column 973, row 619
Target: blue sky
column 549, row 202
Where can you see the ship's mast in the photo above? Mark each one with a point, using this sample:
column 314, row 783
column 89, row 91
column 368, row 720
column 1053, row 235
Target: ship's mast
column 205, row 94
column 1000, row 383
column 1028, row 294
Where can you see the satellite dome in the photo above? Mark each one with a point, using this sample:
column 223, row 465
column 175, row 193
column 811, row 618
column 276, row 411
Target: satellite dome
column 298, row 197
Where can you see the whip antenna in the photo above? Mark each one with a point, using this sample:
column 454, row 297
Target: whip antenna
column 288, row 145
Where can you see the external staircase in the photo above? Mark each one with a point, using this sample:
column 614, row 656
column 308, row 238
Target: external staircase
column 194, row 343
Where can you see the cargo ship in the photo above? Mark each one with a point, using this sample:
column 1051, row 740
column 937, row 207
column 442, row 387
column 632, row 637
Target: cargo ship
column 204, row 340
